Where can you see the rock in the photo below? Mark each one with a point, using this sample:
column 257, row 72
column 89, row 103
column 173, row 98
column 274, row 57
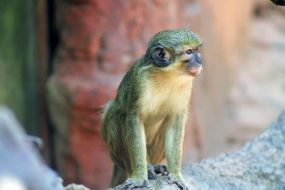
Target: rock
column 75, row 187
column 20, row 161
column 21, row 166
column 260, row 164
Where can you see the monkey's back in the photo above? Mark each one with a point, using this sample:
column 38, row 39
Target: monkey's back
column 113, row 133
column 114, row 129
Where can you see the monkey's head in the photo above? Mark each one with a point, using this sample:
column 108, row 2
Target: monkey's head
column 176, row 50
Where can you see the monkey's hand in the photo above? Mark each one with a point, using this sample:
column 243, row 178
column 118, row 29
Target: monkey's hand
column 178, row 180
column 132, row 183
column 153, row 170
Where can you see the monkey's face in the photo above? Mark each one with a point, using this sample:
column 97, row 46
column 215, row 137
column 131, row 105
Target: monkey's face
column 176, row 51
column 185, row 58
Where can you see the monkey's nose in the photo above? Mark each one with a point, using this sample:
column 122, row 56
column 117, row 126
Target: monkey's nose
column 195, row 71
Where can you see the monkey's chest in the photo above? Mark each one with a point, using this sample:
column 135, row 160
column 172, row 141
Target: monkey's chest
column 159, row 104
column 161, row 101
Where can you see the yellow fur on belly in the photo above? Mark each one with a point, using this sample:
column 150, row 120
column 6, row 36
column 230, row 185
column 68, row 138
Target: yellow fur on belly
column 166, row 94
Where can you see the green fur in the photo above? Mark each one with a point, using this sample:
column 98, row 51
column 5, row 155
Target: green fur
column 123, row 129
column 175, row 39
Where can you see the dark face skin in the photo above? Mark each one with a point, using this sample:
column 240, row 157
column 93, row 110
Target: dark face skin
column 193, row 60
column 189, row 56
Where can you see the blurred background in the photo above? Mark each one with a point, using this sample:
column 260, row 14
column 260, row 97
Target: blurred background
column 61, row 61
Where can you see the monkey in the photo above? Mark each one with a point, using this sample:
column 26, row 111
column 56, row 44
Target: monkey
column 279, row 2
column 144, row 125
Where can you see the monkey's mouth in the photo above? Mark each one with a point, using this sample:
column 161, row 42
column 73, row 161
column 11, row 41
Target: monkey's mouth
column 194, row 71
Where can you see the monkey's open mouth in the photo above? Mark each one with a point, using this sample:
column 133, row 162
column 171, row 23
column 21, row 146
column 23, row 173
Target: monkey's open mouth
column 195, row 71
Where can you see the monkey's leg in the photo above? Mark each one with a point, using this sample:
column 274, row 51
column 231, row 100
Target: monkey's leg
column 173, row 150
column 118, row 177
column 136, row 148
column 156, row 153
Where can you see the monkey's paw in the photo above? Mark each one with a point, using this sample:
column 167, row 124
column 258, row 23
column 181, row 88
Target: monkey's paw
column 131, row 183
column 177, row 180
column 154, row 170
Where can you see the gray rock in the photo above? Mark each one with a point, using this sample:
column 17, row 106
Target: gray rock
column 21, row 167
column 75, row 187
column 20, row 161
column 259, row 165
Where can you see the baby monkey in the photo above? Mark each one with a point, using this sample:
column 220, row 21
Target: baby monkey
column 144, row 124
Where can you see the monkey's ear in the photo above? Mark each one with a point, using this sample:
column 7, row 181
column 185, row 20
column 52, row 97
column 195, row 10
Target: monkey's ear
column 160, row 57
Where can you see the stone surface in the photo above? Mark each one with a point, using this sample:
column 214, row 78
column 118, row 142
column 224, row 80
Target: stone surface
column 21, row 166
column 75, row 187
column 260, row 164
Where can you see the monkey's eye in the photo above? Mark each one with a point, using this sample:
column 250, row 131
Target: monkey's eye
column 189, row 51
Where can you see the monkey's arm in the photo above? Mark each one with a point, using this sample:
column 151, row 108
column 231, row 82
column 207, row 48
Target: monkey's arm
column 173, row 147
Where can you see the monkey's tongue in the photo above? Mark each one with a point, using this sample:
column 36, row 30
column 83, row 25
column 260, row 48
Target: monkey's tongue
column 194, row 71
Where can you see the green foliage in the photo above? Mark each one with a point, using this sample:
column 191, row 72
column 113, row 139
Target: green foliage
column 17, row 59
